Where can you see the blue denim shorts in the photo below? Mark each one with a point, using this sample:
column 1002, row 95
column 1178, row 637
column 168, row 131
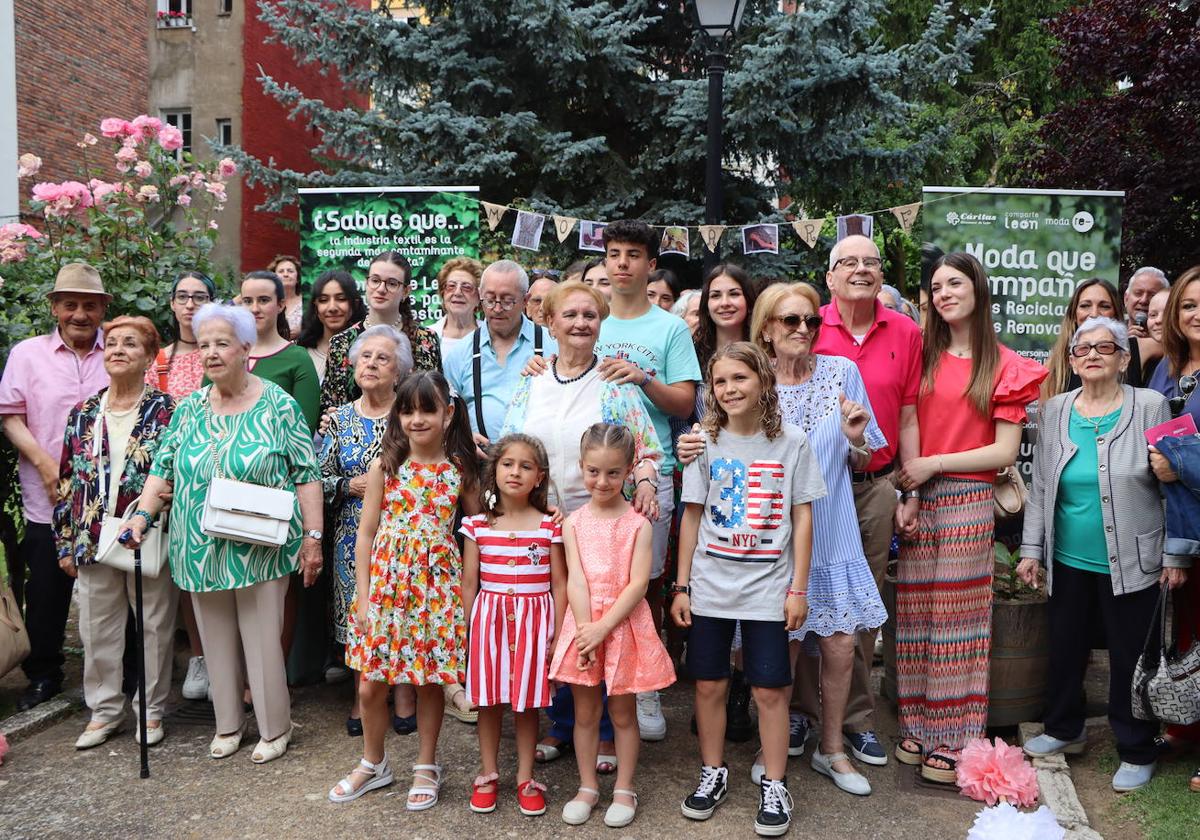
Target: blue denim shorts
column 764, row 650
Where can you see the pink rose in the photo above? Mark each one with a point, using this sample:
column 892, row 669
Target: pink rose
column 212, row 224
column 142, row 169
column 184, row 200
column 170, row 138
column 63, row 199
column 146, row 126
column 226, row 168
column 102, row 189
column 126, row 155
column 114, row 127
column 147, row 193
column 180, row 180
column 89, row 140
column 12, row 241
column 28, row 165
column 216, row 189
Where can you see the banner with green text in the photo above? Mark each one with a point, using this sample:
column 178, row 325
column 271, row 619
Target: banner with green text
column 343, row 227
column 1036, row 245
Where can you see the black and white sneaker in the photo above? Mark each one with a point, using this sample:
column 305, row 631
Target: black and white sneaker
column 714, row 784
column 798, row 729
column 774, row 809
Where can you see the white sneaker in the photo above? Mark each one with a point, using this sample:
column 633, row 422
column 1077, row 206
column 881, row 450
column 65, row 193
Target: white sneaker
column 651, row 723
column 195, row 684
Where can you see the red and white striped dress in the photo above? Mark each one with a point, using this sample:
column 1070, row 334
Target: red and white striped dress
column 512, row 620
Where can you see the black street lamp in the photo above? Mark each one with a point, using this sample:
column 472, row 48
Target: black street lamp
column 718, row 21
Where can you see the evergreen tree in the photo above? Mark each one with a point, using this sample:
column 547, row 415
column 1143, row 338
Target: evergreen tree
column 596, row 108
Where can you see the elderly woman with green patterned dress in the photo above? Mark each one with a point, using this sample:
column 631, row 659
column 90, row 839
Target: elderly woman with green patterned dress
column 253, row 432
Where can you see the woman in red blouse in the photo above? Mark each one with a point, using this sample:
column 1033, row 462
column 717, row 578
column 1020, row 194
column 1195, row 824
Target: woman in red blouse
column 971, row 409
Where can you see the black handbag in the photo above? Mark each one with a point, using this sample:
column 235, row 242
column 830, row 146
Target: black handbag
column 1166, row 683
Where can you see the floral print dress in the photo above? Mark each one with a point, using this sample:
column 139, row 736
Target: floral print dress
column 416, row 631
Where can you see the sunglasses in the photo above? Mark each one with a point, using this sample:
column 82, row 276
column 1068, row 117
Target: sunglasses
column 793, row 322
column 1187, row 384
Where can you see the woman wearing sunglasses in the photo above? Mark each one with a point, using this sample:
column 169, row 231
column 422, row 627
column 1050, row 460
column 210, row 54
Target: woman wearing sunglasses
column 825, row 396
column 1095, row 521
column 1176, row 378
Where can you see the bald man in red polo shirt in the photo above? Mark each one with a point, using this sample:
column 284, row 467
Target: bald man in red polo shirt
column 886, row 346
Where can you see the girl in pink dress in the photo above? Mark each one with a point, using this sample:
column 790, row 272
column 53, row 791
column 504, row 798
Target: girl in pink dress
column 608, row 634
column 512, row 561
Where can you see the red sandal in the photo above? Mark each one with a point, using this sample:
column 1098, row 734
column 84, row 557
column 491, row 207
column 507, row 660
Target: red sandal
column 484, row 801
column 530, row 799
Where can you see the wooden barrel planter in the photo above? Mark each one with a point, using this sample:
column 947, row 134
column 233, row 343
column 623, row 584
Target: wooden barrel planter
column 1020, row 647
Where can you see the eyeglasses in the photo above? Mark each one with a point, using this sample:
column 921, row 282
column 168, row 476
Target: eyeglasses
column 374, row 282
column 1104, row 348
column 503, row 304
column 1187, row 384
column 852, row 263
column 793, row 322
column 465, row 288
column 539, row 273
column 198, row 298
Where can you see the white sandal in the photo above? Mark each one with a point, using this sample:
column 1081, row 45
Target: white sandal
column 273, row 749
column 577, row 812
column 618, row 815
column 430, row 790
column 378, row 775
column 223, row 746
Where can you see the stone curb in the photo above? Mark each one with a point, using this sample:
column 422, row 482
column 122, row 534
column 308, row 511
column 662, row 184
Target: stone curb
column 1058, row 790
column 42, row 716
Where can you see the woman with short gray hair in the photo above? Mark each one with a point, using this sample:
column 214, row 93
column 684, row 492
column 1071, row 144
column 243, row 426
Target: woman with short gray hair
column 247, row 429
column 381, row 356
column 1095, row 520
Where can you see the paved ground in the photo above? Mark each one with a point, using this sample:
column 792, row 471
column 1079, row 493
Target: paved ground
column 49, row 790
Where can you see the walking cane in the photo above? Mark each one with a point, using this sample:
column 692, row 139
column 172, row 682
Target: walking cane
column 141, row 662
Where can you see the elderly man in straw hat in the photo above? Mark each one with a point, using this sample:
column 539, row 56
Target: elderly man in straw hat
column 44, row 378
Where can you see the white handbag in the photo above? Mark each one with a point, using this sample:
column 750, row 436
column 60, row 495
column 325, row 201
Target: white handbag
column 109, row 549
column 244, row 512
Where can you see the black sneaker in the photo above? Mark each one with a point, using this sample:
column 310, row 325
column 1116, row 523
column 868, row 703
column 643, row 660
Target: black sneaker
column 798, row 729
column 709, row 793
column 774, row 809
column 739, row 728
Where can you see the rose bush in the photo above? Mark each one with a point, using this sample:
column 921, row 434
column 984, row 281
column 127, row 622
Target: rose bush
column 140, row 211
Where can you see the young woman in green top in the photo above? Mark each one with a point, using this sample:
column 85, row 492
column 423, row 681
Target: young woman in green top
column 273, row 356
column 277, row 360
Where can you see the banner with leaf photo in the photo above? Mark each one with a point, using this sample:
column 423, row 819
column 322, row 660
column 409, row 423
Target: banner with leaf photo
column 343, row 227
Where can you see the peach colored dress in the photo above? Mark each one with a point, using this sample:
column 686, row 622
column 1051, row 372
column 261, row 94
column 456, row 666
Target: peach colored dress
column 632, row 659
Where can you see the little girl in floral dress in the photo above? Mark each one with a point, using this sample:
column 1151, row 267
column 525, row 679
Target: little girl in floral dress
column 408, row 610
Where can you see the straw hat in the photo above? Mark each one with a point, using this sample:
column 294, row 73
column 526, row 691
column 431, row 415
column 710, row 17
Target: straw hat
column 80, row 279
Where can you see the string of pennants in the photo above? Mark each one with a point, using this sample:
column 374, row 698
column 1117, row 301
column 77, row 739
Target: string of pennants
column 760, row 237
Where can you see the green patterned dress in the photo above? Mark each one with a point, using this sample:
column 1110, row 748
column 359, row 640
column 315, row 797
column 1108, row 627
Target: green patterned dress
column 267, row 444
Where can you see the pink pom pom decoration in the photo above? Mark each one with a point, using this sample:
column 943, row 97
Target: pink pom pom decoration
column 997, row 772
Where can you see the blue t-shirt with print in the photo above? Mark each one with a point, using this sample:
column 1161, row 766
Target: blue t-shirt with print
column 660, row 343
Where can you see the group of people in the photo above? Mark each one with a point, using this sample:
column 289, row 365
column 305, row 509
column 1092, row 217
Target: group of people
column 513, row 506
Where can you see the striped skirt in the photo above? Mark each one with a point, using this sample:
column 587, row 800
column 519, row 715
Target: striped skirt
column 509, row 643
column 944, row 616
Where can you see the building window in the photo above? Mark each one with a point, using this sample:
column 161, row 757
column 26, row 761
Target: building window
column 173, row 13
column 183, row 121
column 224, row 8
column 225, row 132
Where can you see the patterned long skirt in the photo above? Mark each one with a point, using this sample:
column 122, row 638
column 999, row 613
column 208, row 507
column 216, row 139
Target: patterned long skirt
column 944, row 616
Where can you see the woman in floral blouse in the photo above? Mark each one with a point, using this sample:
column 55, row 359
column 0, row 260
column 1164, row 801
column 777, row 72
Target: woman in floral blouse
column 246, row 429
column 381, row 358
column 389, row 284
column 110, row 441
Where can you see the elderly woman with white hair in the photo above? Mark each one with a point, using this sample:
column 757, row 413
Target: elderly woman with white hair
column 382, row 357
column 246, row 429
column 1095, row 520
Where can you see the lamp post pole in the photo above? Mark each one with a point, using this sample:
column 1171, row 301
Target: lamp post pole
column 712, row 179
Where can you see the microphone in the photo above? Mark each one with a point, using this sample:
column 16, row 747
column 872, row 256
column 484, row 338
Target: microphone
column 1139, row 319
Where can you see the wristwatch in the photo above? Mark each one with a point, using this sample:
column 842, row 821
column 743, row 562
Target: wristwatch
column 677, row 588
column 909, row 494
column 315, row 535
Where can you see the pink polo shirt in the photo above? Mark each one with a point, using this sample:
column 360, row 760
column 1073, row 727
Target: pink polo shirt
column 889, row 359
column 43, row 380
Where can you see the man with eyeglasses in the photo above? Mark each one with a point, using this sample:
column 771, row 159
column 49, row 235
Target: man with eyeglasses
column 886, row 346
column 44, row 378
column 486, row 369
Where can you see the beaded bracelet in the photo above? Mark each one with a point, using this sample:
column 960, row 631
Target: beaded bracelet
column 145, row 515
column 798, row 592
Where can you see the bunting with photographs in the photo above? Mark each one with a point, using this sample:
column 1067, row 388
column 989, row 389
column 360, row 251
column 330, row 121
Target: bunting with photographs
column 563, row 225
column 906, row 214
column 757, row 237
column 493, row 212
column 711, row 234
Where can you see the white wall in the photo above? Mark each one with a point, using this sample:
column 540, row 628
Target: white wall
column 9, row 196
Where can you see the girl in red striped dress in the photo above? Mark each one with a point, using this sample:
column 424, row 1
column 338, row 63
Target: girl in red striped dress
column 514, row 589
